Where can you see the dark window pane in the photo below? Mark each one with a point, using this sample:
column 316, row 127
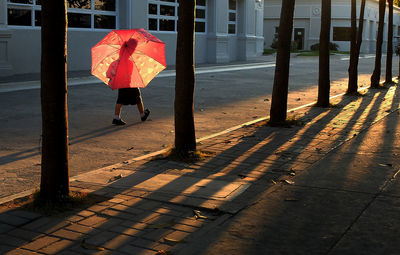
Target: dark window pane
column 104, row 5
column 167, row 25
column 19, row 17
column 38, row 2
column 172, row 1
column 79, row 20
column 200, row 13
column 201, row 2
column 200, row 27
column 153, row 24
column 38, row 18
column 167, row 10
column 232, row 16
column 341, row 33
column 232, row 29
column 104, row 21
column 232, row 4
column 153, row 9
column 21, row 1
column 80, row 4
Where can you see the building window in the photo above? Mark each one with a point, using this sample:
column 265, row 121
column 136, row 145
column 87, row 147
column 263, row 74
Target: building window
column 232, row 17
column 341, row 33
column 163, row 15
column 86, row 14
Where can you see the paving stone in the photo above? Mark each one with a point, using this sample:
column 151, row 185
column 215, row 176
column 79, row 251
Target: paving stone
column 40, row 243
column 101, row 238
column 21, row 252
column 93, row 221
column 11, row 240
column 127, row 231
column 38, row 224
column 25, row 214
column 14, row 220
column 26, row 235
column 119, row 241
column 67, row 234
column 4, row 228
column 156, row 234
column 143, row 243
column 56, row 247
column 130, row 249
column 81, row 228
column 86, row 213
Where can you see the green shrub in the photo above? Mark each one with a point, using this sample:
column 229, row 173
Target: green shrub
column 332, row 46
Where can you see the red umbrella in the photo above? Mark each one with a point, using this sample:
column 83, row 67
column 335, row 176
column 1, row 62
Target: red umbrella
column 128, row 58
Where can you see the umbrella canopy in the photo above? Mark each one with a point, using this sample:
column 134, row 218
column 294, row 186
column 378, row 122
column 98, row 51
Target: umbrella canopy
column 128, row 58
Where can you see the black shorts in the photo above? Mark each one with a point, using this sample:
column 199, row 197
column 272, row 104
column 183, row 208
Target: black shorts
column 128, row 96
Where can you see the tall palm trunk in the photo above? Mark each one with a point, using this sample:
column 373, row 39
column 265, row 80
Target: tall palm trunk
column 55, row 165
column 389, row 51
column 324, row 79
column 281, row 78
column 185, row 138
column 376, row 75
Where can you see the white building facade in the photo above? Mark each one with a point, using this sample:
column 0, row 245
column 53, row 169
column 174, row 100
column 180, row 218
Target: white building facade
column 307, row 23
column 226, row 30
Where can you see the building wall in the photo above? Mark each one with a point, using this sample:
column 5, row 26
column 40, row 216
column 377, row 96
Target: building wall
column 308, row 16
column 20, row 46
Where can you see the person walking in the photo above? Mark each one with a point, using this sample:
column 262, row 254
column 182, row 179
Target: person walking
column 129, row 96
column 126, row 96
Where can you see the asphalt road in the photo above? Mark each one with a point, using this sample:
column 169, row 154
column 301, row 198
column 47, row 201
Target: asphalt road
column 225, row 96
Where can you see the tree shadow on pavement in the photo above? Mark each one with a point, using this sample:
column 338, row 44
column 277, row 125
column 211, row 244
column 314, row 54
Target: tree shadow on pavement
column 264, row 162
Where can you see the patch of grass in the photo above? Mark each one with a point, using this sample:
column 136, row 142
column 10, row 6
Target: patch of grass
column 67, row 204
column 269, row 51
column 308, row 54
column 341, row 52
column 187, row 157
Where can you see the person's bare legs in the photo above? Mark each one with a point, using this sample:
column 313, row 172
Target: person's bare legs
column 117, row 112
column 117, row 119
column 143, row 113
column 140, row 107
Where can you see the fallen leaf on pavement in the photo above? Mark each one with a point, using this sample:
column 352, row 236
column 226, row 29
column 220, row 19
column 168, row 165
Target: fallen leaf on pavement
column 291, row 199
column 170, row 240
column 117, row 177
column 288, row 182
column 90, row 246
column 163, row 252
column 198, row 215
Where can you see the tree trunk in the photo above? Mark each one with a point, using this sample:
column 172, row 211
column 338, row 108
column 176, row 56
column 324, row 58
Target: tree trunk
column 376, row 75
column 55, row 166
column 281, row 79
column 324, row 79
column 353, row 75
column 185, row 138
column 389, row 52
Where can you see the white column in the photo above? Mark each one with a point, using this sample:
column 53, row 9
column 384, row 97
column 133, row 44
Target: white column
column 5, row 36
column 217, row 31
column 248, row 41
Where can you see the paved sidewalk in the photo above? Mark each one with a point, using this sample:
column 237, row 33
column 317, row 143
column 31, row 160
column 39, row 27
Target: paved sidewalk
column 329, row 186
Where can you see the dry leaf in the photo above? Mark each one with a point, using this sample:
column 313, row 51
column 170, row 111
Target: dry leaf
column 170, row 240
column 163, row 252
column 117, row 177
column 198, row 215
column 90, row 246
column 288, row 182
column 291, row 199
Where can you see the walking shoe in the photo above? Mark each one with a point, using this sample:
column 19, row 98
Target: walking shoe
column 146, row 114
column 119, row 122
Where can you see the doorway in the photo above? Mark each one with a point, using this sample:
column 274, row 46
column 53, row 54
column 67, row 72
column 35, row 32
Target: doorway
column 299, row 38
